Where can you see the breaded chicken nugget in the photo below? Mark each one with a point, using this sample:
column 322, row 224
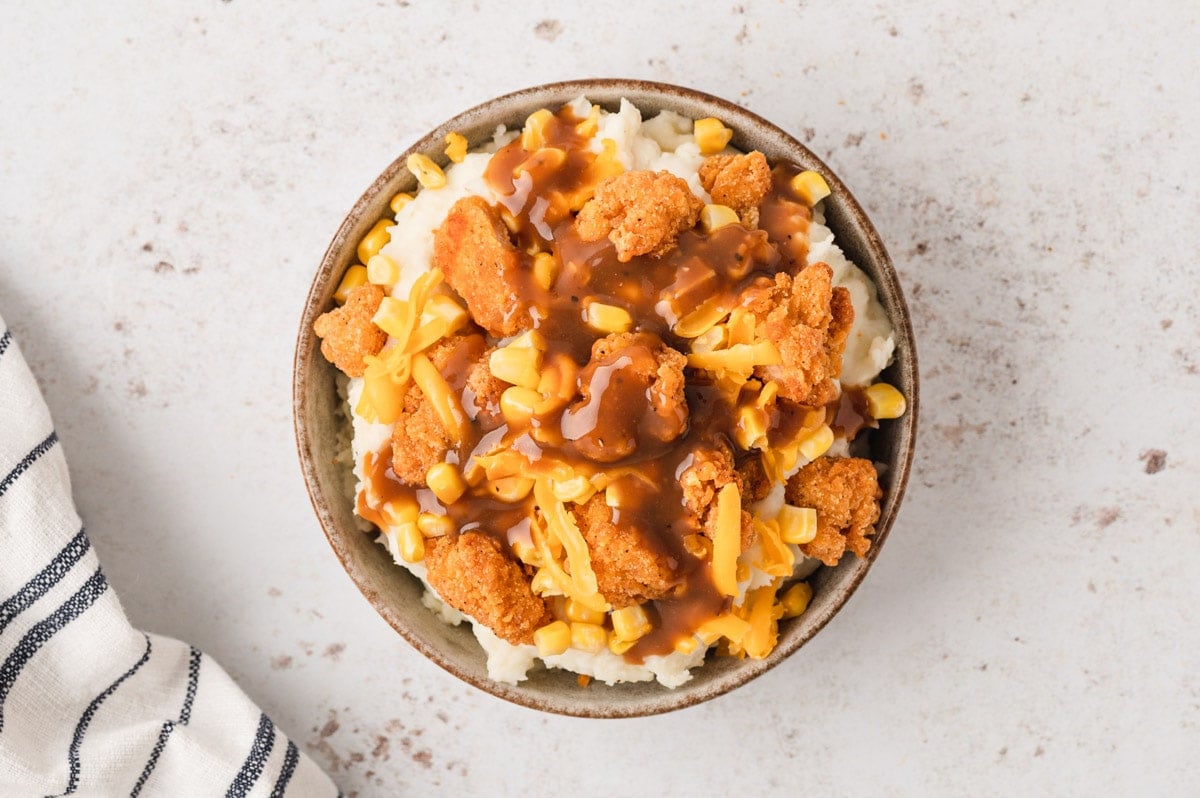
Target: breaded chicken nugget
column 640, row 212
column 711, row 469
column 737, row 181
column 628, row 569
column 845, row 493
column 347, row 333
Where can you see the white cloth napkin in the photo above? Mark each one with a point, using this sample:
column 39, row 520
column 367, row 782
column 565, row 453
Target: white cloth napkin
column 88, row 704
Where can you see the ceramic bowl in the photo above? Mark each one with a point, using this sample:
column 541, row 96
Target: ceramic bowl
column 396, row 595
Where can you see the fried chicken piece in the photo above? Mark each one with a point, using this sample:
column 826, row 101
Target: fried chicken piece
column 628, row 569
column 631, row 393
column 472, row 573
column 419, row 439
column 641, row 213
column 473, row 250
column 808, row 320
column 845, row 493
column 481, row 398
column 737, row 181
column 347, row 333
column 711, row 469
column 755, row 484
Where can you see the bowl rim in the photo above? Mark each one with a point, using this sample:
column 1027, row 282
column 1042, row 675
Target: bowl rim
column 666, row 700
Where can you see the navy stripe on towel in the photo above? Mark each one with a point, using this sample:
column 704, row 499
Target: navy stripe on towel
column 86, row 720
column 5, row 340
column 28, row 460
column 285, row 773
column 252, row 768
column 47, row 578
column 185, row 714
column 45, row 629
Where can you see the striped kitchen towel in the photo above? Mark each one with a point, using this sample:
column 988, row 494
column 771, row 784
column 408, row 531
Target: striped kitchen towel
column 88, row 704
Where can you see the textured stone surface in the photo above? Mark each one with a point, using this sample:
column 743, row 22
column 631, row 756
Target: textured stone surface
column 169, row 179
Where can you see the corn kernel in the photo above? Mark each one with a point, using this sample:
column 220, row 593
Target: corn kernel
column 456, row 147
column 795, row 600
column 711, row 135
column 810, row 187
column 817, row 443
column 533, row 136
column 374, row 240
column 391, row 317
column 797, row 524
column 559, row 378
column 428, row 174
column 751, row 427
column 884, row 401
column 433, row 525
column 577, row 613
column 516, row 365
column 697, row 546
column 518, row 404
column 630, row 623
column 355, row 276
column 576, row 489
column 543, row 583
column 399, row 201
column 510, row 489
column 607, row 318
column 687, row 645
column 588, row 637
column 714, row 217
column 530, row 339
column 619, row 646
column 552, row 639
column 411, row 542
column 545, row 270
column 382, row 270
column 445, row 482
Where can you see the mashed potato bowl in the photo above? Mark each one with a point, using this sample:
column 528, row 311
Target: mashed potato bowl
column 397, row 595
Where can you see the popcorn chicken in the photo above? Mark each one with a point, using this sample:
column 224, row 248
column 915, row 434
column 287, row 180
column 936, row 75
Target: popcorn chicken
column 711, row 469
column 642, row 213
column 628, row 569
column 347, row 333
column 845, row 493
column 737, row 181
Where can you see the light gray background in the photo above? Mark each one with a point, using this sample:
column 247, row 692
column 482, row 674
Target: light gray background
column 170, row 174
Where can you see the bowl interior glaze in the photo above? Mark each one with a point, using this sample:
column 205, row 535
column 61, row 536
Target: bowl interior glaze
column 396, row 595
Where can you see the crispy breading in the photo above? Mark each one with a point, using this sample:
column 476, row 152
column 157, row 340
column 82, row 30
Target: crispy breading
column 472, row 573
column 711, row 469
column 755, row 484
column 473, row 250
column 419, row 439
column 808, row 320
column 641, row 213
column 845, row 493
column 737, row 181
column 631, row 388
column 628, row 570
column 481, row 398
column 347, row 333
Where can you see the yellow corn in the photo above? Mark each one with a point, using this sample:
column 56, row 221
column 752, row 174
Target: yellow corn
column 630, row 623
column 456, row 147
column 810, row 187
column 576, row 489
column 442, row 306
column 355, row 276
column 411, row 542
column 400, row 511
column 516, row 365
column 544, row 584
column 433, row 525
column 577, row 613
column 817, row 443
column 392, row 317
column 545, row 269
column 510, row 489
column 797, row 524
column 795, row 600
column 553, row 638
column 884, row 401
column 714, row 217
column 687, row 645
column 588, row 637
column 518, row 404
column 428, row 174
column 445, row 482
column 607, row 318
column 533, row 136
column 711, row 135
column 697, row 546
column 559, row 378
column 374, row 240
column 727, row 541
column 399, row 201
column 618, row 645
column 382, row 270
column 751, row 427
column 530, row 339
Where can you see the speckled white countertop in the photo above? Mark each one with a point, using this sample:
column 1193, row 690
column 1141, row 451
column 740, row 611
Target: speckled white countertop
column 170, row 178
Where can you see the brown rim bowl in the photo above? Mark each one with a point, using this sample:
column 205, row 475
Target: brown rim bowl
column 396, row 595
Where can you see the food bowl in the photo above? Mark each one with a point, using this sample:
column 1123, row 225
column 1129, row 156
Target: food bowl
column 396, row 594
